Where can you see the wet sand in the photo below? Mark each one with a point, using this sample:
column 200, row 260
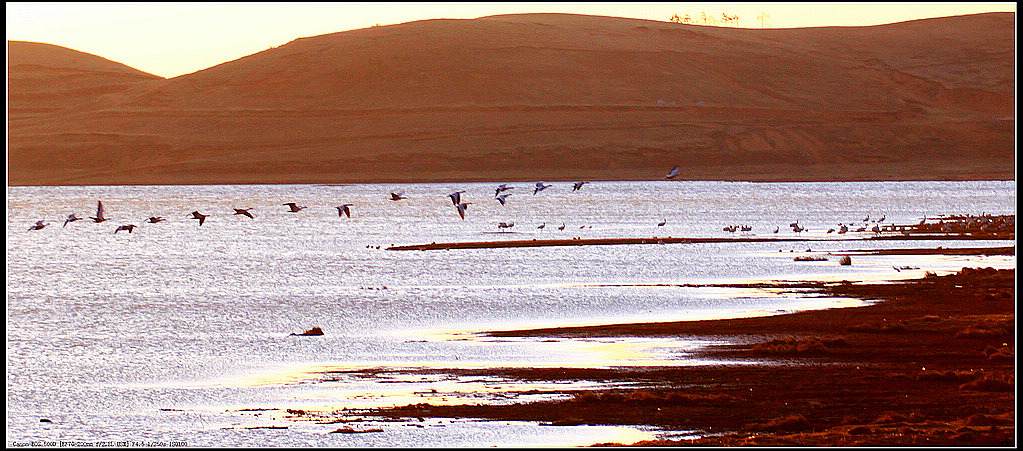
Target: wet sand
column 930, row 364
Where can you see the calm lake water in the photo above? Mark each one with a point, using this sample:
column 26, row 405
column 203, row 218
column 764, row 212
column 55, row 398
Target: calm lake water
column 180, row 333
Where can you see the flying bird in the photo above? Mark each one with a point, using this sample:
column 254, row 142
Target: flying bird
column 244, row 212
column 456, row 197
column 503, row 198
column 155, row 219
column 39, row 224
column 461, row 209
column 398, row 196
column 201, row 217
column 540, row 186
column 673, row 173
column 128, row 227
column 506, row 225
column 344, row 210
column 578, row 185
column 502, row 188
column 99, row 212
column 71, row 218
column 292, row 207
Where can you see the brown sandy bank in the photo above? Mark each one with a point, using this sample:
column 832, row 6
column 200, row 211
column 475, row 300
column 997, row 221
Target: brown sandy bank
column 673, row 240
column 529, row 97
column 932, row 364
column 1004, row 250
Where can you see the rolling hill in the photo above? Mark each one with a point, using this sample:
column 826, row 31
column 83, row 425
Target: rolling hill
column 533, row 97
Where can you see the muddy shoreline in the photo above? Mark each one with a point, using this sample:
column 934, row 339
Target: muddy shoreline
column 673, row 240
column 932, row 364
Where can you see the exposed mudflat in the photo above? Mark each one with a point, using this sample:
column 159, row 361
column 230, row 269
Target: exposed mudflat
column 932, row 364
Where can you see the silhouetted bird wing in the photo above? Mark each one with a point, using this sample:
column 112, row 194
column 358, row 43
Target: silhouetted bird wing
column 343, row 209
column 99, row 212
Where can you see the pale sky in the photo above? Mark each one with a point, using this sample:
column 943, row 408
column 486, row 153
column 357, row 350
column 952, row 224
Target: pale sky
column 171, row 39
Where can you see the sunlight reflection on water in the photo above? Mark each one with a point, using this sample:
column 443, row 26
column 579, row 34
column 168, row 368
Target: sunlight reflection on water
column 106, row 330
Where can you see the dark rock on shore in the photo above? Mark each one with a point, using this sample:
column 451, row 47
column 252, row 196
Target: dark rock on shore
column 313, row 331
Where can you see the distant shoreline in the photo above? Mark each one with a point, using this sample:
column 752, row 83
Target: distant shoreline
column 671, row 240
column 517, row 180
column 157, row 180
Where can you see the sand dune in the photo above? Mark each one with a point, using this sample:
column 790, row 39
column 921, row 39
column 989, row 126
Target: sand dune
column 531, row 97
column 44, row 78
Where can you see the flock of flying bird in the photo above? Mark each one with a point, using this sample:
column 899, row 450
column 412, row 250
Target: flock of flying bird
column 500, row 194
column 343, row 210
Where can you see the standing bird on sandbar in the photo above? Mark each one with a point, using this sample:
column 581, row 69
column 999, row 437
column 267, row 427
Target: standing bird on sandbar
column 541, row 226
column 293, row 207
column 201, row 217
column 243, row 212
column 461, row 209
column 398, row 196
column 540, row 186
column 71, row 218
column 662, row 223
column 155, row 219
column 775, row 230
column 39, row 224
column 344, row 210
column 502, row 188
column 673, row 173
column 456, row 197
column 99, row 212
column 562, row 226
column 578, row 185
column 128, row 227
column 502, row 198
